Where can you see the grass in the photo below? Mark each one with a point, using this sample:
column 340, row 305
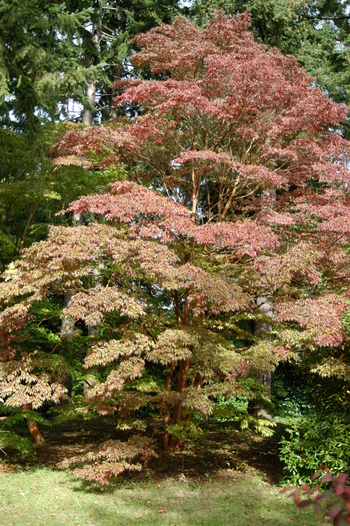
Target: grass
column 227, row 478
column 44, row 497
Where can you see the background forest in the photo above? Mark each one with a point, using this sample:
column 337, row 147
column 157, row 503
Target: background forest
column 174, row 228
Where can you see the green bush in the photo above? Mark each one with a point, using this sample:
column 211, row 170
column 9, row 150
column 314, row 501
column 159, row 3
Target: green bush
column 316, row 441
column 231, row 408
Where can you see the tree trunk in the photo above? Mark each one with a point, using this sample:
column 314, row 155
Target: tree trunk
column 35, row 433
column 90, row 95
column 170, row 443
column 263, row 377
column 167, row 409
column 113, row 113
column 91, row 87
column 266, row 308
column 90, row 379
column 67, row 324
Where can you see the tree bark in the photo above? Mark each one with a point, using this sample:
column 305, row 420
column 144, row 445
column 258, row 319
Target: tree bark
column 265, row 307
column 87, row 117
column 170, row 443
column 90, row 95
column 167, row 409
column 35, row 433
column 263, row 377
column 67, row 324
column 90, row 379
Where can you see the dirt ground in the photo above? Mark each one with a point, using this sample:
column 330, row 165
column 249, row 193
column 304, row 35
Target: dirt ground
column 220, row 449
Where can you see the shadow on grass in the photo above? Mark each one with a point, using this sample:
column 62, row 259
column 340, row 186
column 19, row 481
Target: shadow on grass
column 220, row 448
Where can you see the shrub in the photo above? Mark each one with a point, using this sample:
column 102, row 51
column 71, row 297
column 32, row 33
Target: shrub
column 315, row 441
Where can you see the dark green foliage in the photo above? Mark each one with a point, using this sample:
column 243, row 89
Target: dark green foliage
column 13, row 430
column 32, row 191
column 314, row 441
column 48, row 56
column 229, row 408
column 297, row 392
column 41, row 60
column 121, row 22
column 315, row 412
column 274, row 22
column 288, row 392
column 13, row 444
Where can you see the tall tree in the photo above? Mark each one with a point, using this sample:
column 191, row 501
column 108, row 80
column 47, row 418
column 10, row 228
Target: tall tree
column 41, row 60
column 51, row 52
column 41, row 69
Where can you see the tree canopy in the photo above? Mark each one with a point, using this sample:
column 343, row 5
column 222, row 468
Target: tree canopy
column 232, row 191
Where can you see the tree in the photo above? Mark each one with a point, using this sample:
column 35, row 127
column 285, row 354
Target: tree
column 119, row 23
column 41, row 61
column 316, row 32
column 51, row 52
column 228, row 124
column 254, row 140
column 41, row 69
column 166, row 309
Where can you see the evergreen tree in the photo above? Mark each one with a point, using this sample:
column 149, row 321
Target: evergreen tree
column 41, row 61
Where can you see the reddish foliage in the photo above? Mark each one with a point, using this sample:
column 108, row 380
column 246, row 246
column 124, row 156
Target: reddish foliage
column 257, row 206
column 338, row 511
column 232, row 112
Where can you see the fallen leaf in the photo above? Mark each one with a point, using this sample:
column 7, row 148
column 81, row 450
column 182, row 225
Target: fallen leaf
column 161, row 511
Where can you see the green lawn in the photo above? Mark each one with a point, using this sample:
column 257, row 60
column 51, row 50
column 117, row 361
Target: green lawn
column 44, row 497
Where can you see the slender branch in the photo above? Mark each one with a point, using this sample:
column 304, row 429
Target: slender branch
column 27, row 225
column 148, row 332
